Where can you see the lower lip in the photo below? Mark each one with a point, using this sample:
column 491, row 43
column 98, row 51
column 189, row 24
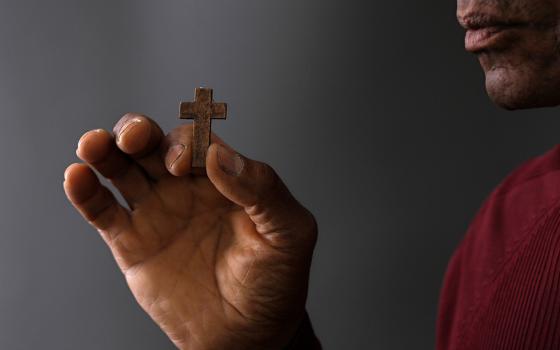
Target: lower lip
column 484, row 38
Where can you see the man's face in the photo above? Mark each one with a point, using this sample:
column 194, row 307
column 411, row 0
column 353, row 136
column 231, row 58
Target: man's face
column 518, row 46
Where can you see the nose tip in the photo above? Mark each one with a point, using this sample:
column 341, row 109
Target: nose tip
column 462, row 20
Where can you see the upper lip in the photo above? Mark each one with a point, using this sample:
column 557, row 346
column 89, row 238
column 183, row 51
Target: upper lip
column 479, row 20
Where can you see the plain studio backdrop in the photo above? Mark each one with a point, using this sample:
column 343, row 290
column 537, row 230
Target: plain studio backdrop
column 370, row 111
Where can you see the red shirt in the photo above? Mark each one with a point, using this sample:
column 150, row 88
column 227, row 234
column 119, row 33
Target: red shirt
column 502, row 286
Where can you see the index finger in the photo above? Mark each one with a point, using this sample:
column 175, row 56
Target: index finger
column 140, row 137
column 177, row 149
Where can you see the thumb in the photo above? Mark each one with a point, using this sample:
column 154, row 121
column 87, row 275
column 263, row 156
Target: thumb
column 256, row 187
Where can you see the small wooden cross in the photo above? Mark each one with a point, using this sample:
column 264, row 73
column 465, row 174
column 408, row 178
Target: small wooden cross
column 202, row 110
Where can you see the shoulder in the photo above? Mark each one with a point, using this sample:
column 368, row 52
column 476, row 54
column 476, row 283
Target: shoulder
column 509, row 212
column 533, row 169
column 513, row 231
column 519, row 199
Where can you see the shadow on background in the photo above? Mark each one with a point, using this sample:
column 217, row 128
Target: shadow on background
column 373, row 114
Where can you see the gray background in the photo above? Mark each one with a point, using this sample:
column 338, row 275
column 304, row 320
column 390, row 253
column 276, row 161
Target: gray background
column 371, row 112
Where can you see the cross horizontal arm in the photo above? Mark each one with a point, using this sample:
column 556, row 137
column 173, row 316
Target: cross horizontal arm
column 188, row 110
column 219, row 110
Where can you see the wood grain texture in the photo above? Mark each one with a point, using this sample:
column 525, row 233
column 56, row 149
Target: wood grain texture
column 202, row 111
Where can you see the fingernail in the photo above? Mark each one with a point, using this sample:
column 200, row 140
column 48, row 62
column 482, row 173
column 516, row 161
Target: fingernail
column 174, row 154
column 127, row 127
column 230, row 162
column 88, row 133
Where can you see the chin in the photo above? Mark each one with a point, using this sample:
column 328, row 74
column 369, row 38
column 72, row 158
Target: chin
column 514, row 89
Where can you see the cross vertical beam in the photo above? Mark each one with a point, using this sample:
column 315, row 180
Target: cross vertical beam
column 202, row 111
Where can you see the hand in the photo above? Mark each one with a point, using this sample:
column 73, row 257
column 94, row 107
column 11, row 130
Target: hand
column 218, row 261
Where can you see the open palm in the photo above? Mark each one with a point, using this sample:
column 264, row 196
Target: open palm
column 218, row 260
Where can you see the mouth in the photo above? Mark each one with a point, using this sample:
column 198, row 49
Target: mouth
column 477, row 40
column 486, row 31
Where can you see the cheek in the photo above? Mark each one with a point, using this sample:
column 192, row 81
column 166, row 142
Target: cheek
column 526, row 73
column 535, row 51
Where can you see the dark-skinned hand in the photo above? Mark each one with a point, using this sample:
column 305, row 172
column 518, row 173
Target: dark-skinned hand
column 219, row 261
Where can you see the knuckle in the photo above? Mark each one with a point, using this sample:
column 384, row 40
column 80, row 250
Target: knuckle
column 180, row 134
column 269, row 186
column 267, row 177
column 262, row 182
column 185, row 129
